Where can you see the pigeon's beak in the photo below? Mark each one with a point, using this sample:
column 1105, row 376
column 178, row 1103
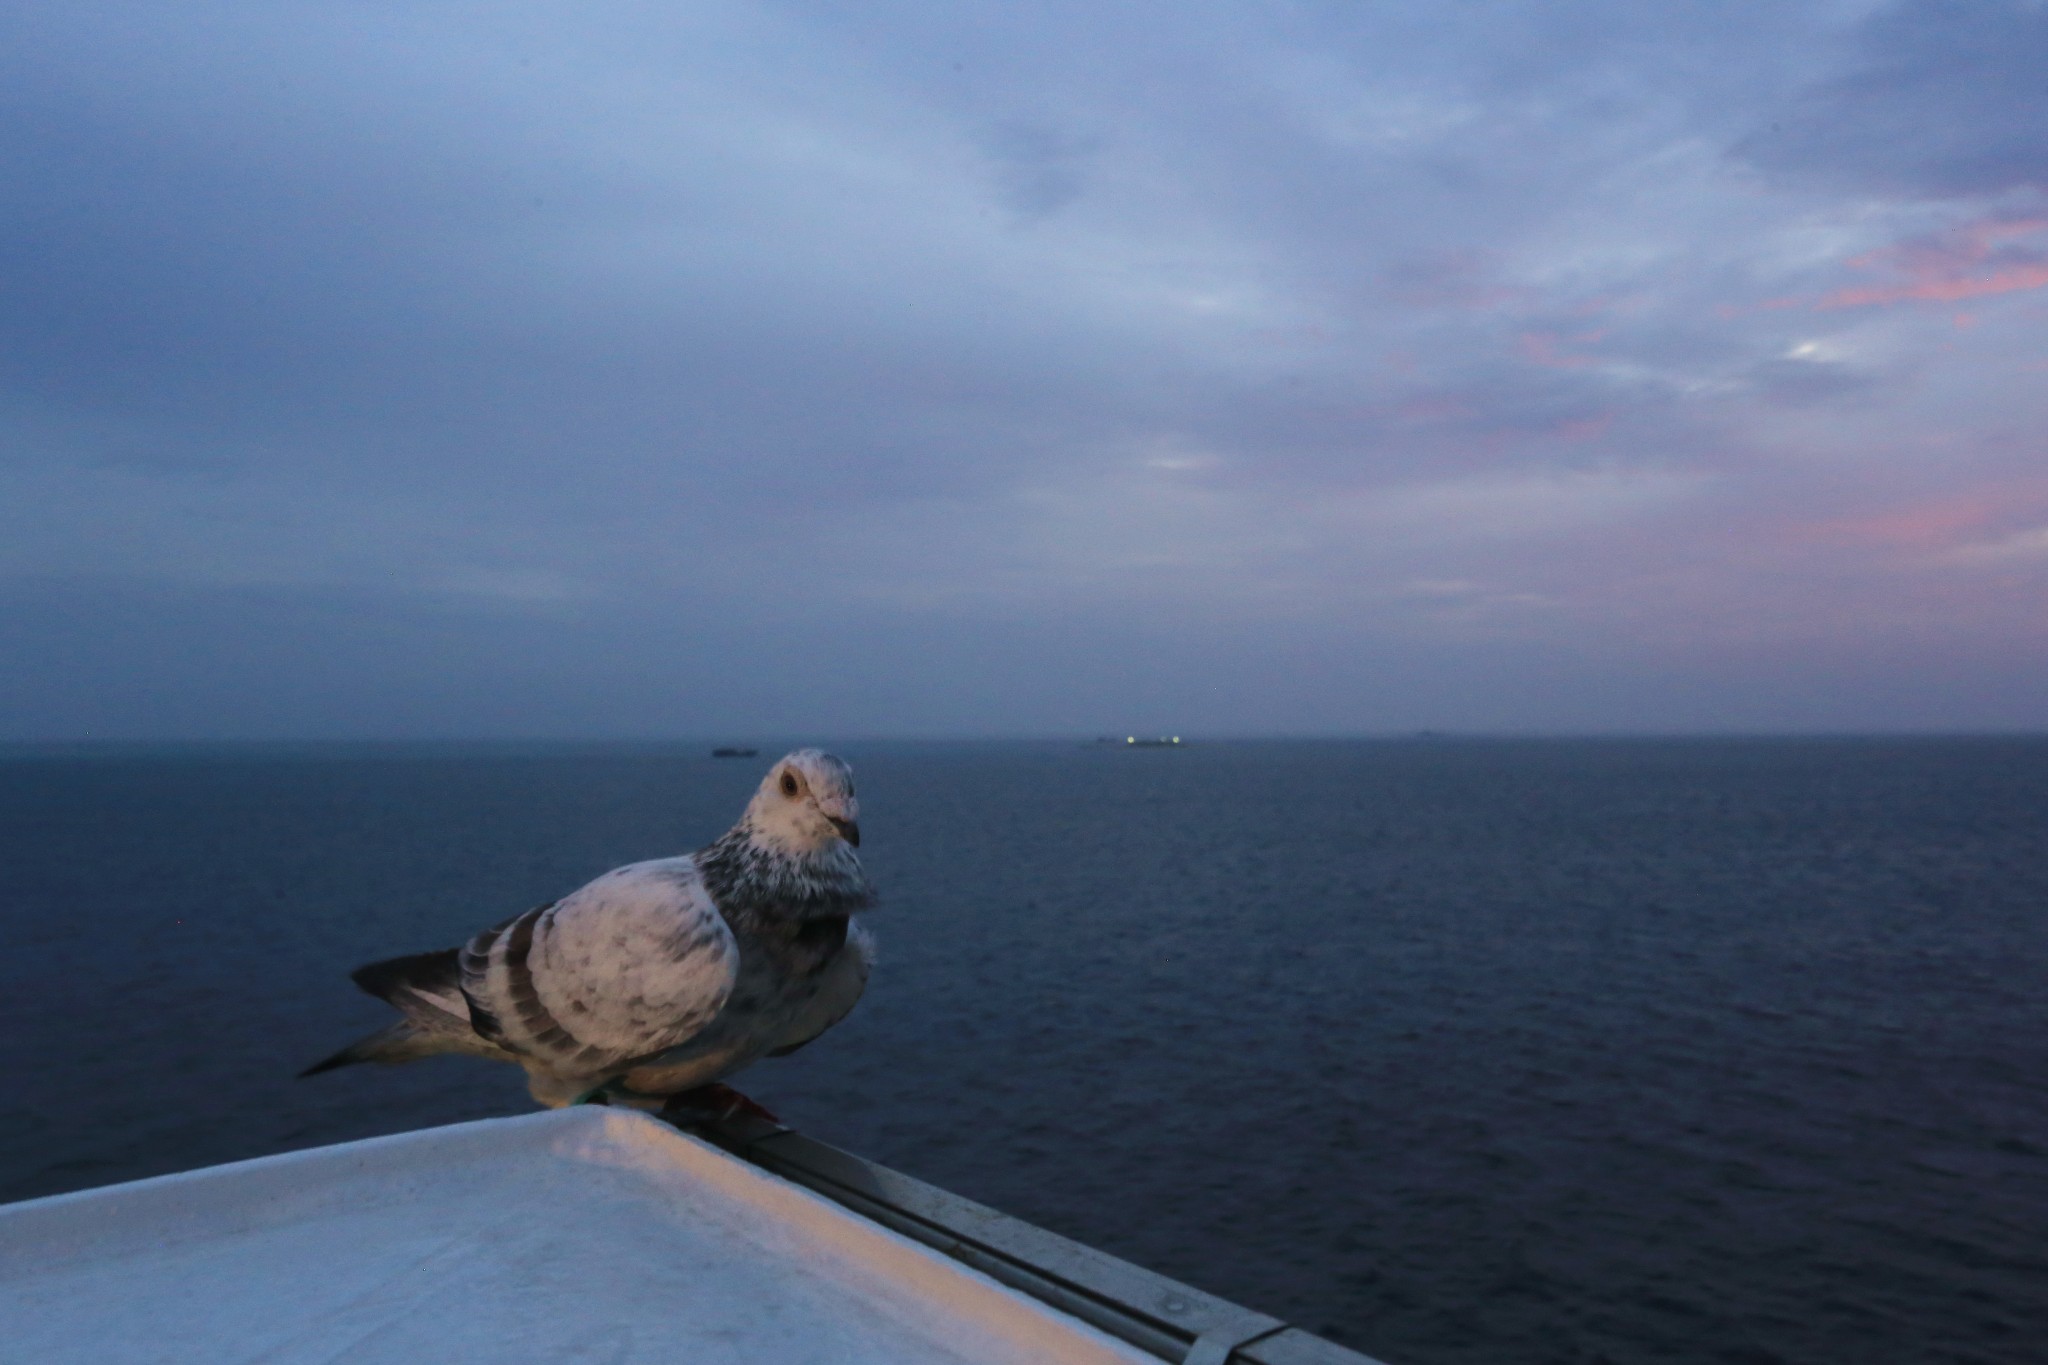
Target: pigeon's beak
column 848, row 830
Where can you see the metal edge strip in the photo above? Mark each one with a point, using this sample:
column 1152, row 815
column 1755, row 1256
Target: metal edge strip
column 1160, row 1316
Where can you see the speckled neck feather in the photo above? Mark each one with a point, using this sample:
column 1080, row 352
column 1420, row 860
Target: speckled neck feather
column 755, row 881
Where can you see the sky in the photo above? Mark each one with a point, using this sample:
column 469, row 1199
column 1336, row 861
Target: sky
column 643, row 370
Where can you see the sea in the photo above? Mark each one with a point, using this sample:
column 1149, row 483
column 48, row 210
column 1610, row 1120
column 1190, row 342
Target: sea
column 1452, row 1050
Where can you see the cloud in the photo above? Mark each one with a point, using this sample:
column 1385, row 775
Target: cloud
column 1974, row 261
column 968, row 347
column 1515, row 506
column 1941, row 99
column 1042, row 169
column 1546, row 348
column 1933, row 523
column 2022, row 546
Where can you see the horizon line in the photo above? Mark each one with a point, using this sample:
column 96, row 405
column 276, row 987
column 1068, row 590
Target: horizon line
column 1187, row 739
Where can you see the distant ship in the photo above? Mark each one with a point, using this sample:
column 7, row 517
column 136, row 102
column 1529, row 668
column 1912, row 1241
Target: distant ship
column 1142, row 741
column 734, row 753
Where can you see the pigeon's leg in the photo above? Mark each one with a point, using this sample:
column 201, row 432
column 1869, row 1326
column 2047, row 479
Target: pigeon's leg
column 619, row 1093
column 719, row 1102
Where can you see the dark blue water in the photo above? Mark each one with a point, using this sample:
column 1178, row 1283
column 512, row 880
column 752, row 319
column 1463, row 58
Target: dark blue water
column 1455, row 1051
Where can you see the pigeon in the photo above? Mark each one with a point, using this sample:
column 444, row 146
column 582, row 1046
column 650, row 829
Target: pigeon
column 658, row 979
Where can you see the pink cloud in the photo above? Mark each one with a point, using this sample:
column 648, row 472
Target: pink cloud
column 1979, row 260
column 1583, row 429
column 1932, row 524
column 1541, row 348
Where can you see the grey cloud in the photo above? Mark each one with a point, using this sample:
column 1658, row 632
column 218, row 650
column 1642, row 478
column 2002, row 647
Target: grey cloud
column 1043, row 169
column 1006, row 363
column 1943, row 98
column 1801, row 383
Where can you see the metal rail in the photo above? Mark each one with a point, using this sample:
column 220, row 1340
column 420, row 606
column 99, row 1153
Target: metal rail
column 1161, row 1316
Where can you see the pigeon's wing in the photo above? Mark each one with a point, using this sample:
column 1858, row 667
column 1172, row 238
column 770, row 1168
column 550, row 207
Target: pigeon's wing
column 635, row 962
column 838, row 992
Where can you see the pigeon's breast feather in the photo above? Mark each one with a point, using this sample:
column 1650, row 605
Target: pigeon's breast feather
column 637, row 960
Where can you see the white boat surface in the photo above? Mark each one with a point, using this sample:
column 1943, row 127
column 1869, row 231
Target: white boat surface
column 590, row 1235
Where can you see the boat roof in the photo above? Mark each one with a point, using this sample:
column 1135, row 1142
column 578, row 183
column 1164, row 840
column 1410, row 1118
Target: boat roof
column 584, row 1234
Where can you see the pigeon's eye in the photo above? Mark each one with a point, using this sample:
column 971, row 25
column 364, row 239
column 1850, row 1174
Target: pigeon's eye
column 789, row 784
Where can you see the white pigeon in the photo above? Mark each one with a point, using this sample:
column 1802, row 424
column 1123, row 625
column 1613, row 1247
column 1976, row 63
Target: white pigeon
column 659, row 977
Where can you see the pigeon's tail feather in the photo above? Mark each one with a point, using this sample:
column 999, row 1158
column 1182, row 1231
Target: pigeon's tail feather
column 430, row 981
column 426, row 988
column 399, row 1042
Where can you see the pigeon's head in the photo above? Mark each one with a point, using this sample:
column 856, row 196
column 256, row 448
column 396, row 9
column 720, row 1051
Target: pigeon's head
column 806, row 804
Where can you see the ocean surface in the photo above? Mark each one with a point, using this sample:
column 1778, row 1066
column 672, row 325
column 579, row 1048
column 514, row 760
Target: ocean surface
column 1452, row 1050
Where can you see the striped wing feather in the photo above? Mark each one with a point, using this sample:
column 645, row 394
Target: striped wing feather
column 637, row 961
